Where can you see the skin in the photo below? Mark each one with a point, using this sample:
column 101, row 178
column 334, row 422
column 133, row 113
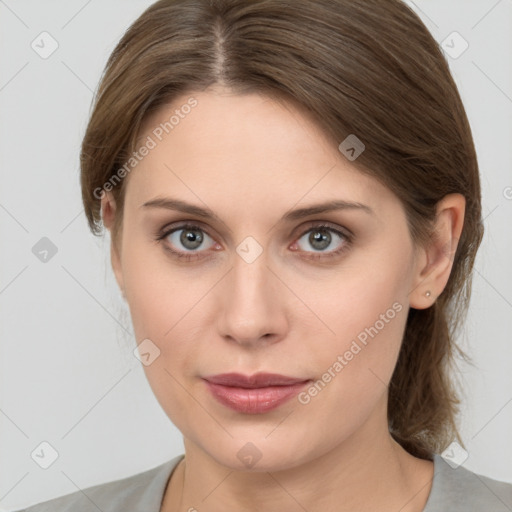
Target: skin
column 251, row 159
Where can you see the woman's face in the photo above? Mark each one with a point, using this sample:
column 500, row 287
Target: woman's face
column 256, row 286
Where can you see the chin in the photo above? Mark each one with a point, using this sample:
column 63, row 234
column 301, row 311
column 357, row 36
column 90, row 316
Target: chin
column 259, row 454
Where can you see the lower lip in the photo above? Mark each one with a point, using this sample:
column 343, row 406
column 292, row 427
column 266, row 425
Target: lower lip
column 256, row 400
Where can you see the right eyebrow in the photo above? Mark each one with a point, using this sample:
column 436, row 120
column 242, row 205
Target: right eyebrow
column 182, row 206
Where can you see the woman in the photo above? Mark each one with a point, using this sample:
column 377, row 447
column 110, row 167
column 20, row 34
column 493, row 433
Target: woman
column 293, row 199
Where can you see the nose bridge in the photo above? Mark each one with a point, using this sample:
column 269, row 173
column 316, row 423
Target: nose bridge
column 251, row 304
column 250, row 278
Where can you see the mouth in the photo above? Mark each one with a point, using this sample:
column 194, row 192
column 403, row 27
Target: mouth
column 254, row 394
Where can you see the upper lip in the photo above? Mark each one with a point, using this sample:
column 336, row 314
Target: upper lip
column 258, row 380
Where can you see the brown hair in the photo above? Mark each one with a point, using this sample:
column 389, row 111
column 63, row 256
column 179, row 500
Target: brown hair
column 364, row 67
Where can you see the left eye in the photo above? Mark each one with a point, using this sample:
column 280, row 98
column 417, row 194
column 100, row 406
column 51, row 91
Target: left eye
column 321, row 237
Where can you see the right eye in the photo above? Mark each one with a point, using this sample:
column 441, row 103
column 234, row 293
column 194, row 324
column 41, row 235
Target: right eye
column 189, row 237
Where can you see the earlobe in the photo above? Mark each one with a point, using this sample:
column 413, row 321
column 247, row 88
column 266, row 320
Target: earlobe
column 435, row 261
column 108, row 213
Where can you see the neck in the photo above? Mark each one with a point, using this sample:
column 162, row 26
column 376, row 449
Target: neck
column 362, row 473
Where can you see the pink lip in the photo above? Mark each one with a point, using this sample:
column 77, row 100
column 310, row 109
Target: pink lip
column 254, row 394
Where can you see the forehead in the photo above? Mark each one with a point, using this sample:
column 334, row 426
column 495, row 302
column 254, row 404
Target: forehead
column 221, row 121
column 252, row 149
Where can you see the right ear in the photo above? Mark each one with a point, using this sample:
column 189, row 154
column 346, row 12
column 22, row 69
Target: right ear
column 108, row 214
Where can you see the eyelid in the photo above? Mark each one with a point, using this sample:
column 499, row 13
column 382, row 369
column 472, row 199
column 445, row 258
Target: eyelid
column 181, row 224
column 304, row 228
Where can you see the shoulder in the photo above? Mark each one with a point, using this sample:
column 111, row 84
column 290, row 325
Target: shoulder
column 142, row 491
column 459, row 489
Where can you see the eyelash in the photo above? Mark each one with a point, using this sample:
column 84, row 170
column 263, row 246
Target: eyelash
column 347, row 241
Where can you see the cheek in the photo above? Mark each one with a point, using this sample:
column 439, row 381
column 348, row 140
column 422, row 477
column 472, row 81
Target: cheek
column 164, row 309
column 167, row 306
column 363, row 312
column 156, row 291
column 353, row 367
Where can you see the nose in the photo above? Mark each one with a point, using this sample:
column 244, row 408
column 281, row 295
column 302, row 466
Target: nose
column 252, row 304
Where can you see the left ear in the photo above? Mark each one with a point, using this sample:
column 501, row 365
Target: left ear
column 435, row 261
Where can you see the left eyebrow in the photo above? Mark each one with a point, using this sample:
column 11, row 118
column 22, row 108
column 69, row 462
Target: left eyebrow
column 326, row 207
column 179, row 205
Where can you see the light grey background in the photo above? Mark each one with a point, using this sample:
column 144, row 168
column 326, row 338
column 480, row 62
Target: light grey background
column 68, row 376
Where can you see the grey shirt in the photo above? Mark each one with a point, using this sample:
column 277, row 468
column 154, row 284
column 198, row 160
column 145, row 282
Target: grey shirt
column 453, row 490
